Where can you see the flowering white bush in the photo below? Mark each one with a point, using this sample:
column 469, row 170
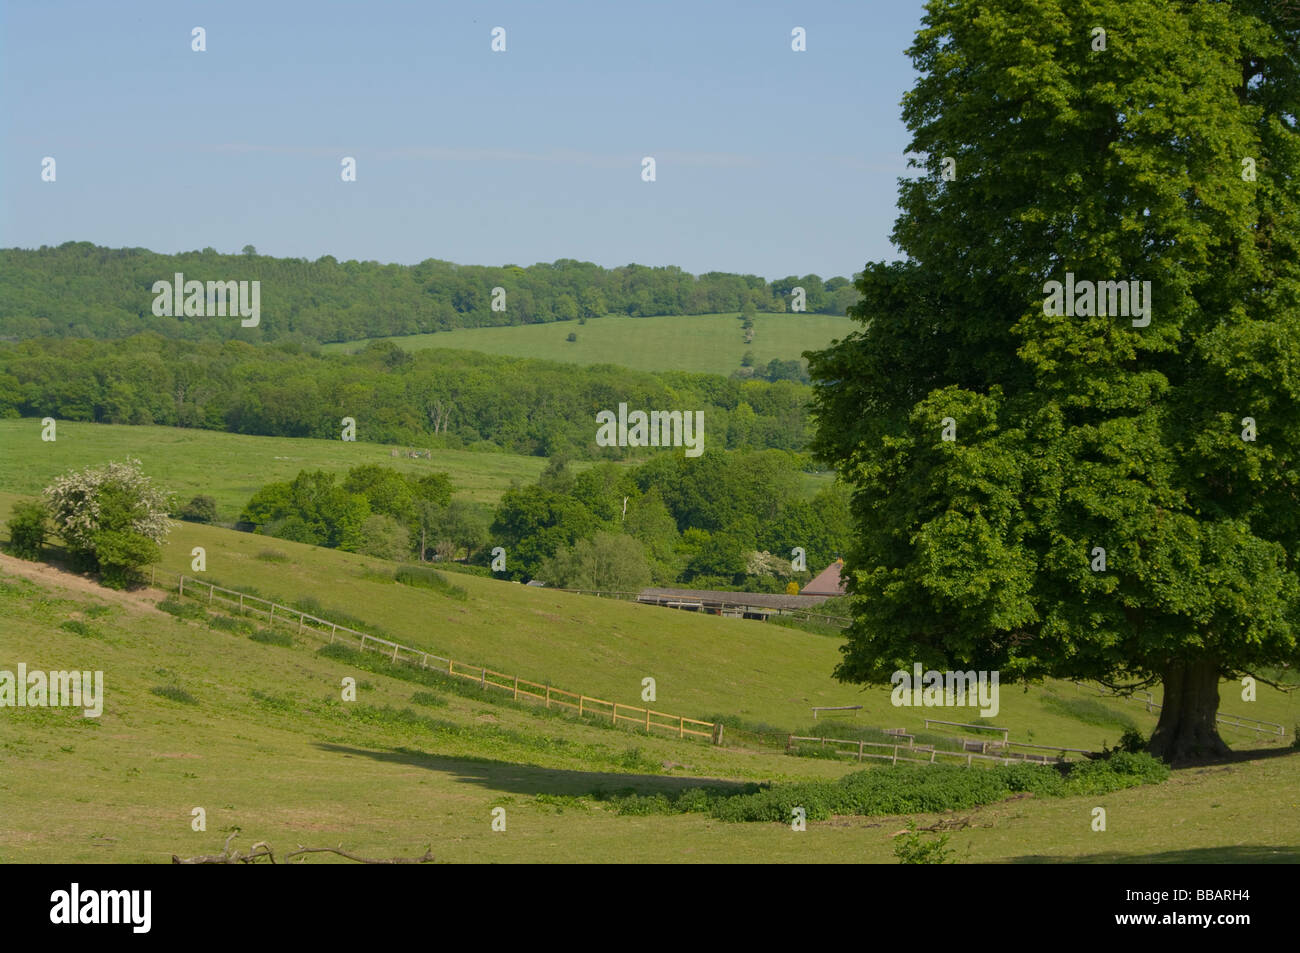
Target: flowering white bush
column 118, row 494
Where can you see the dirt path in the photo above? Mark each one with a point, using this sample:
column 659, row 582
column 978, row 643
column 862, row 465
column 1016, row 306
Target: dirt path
column 139, row 600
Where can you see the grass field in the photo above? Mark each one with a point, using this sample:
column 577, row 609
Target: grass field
column 703, row 343
column 230, row 467
column 258, row 737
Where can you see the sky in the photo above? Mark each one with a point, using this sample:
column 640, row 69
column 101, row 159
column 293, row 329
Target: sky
column 768, row 161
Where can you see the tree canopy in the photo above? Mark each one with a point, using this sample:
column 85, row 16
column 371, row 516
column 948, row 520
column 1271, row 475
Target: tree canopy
column 1083, row 494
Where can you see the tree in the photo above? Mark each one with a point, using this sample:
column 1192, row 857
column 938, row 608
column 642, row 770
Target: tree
column 112, row 519
column 200, row 509
column 608, row 561
column 383, row 537
column 28, row 526
column 1098, row 514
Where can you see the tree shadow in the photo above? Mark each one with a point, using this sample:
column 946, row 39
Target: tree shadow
column 1235, row 757
column 1237, row 854
column 514, row 778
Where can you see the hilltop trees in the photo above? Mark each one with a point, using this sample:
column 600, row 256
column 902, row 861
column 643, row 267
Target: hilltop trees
column 1083, row 496
column 112, row 519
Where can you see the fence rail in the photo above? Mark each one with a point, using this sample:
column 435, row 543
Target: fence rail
column 1232, row 721
column 677, row 602
column 549, row 695
column 894, row 757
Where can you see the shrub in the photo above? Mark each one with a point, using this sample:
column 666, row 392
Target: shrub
column 79, row 627
column 272, row 556
column 227, row 624
column 429, row 700
column 272, row 637
column 200, row 509
column 427, row 578
column 27, row 529
column 175, row 693
column 912, row 848
column 383, row 537
column 182, row 610
column 572, row 337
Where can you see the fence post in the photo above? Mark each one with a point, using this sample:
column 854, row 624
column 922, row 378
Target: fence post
column 394, row 652
column 581, row 699
column 614, row 718
column 968, row 760
column 424, row 662
column 548, row 696
column 241, row 603
column 482, row 681
column 335, row 631
column 301, row 615
column 517, row 694
column 859, row 750
column 681, row 726
column 647, row 721
column 211, row 591
column 272, row 612
column 789, row 743
column 718, row 730
column 895, row 761
column 181, row 592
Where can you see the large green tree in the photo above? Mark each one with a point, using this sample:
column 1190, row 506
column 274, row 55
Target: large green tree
column 1164, row 150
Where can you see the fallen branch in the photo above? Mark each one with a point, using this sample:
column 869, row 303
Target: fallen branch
column 263, row 849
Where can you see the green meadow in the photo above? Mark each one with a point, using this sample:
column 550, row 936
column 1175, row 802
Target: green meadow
column 701, row 343
column 258, row 736
column 231, row 467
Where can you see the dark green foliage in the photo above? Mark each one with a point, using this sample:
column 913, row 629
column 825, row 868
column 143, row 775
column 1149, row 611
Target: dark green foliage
column 182, row 609
column 905, row 789
column 572, row 336
column 175, row 693
column 200, row 509
column 272, row 637
column 80, row 628
column 429, row 700
column 80, row 289
column 28, row 527
column 431, row 399
column 427, row 578
column 914, row 847
column 229, row 624
column 272, row 556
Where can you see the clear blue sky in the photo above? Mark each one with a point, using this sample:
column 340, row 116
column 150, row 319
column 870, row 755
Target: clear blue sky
column 769, row 161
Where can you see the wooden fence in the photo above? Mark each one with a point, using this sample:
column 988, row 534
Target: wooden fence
column 858, row 748
column 646, row 718
column 677, row 602
column 1232, row 721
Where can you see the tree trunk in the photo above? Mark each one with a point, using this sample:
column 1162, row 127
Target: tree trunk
column 1186, row 730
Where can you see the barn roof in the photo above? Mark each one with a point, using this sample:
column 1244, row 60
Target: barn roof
column 827, row 582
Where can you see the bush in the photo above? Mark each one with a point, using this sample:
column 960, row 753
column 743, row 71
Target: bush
column 182, row 610
column 80, row 628
column 272, row 556
column 227, row 624
column 427, row 578
column 200, row 509
column 384, row 538
column 429, row 700
column 27, row 529
column 122, row 554
column 912, row 848
column 175, row 693
column 272, row 637
column 572, row 337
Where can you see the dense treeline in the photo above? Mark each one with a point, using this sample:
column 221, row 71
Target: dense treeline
column 720, row 521
column 432, row 398
column 82, row 290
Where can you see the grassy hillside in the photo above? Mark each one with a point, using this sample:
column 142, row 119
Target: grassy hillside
column 704, row 343
column 230, row 467
column 258, row 737
column 703, row 665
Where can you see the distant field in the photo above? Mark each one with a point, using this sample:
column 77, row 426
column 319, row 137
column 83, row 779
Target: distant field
column 230, row 467
column 702, row 343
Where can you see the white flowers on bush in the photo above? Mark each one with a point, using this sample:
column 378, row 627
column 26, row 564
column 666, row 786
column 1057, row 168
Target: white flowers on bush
column 74, row 503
